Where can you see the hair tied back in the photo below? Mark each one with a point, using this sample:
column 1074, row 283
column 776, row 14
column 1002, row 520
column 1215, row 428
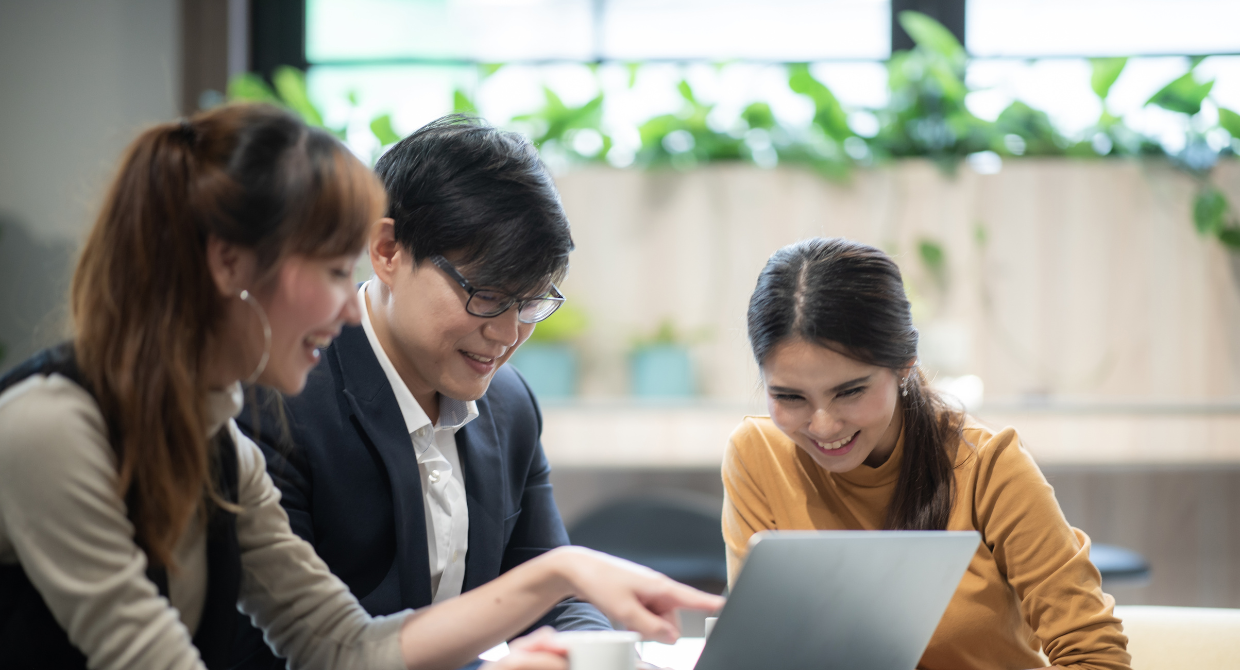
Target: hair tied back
column 186, row 132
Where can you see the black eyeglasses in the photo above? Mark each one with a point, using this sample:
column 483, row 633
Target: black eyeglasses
column 487, row 303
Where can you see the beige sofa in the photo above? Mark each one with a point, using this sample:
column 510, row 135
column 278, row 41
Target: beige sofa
column 1188, row 638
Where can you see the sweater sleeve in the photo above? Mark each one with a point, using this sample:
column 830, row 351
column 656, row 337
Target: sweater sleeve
column 308, row 614
column 63, row 521
column 1045, row 560
column 745, row 509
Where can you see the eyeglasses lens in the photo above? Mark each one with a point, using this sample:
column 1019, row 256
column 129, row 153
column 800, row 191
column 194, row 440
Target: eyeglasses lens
column 537, row 310
column 488, row 303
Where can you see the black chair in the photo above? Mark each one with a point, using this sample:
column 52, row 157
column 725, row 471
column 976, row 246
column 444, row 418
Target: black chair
column 677, row 535
column 1119, row 566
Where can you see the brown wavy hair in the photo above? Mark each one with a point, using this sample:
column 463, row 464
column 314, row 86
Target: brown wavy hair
column 143, row 301
column 849, row 297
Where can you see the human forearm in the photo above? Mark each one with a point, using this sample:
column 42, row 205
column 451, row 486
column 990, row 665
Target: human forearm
column 638, row 598
column 434, row 639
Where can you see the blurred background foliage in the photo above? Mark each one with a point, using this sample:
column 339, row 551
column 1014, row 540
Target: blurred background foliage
column 925, row 116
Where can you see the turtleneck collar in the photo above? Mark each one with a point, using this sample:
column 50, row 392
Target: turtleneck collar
column 884, row 475
column 222, row 405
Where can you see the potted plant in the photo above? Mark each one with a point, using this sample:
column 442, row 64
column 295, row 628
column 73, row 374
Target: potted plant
column 549, row 360
column 660, row 365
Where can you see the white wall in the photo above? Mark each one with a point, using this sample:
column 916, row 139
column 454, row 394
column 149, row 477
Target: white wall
column 78, row 78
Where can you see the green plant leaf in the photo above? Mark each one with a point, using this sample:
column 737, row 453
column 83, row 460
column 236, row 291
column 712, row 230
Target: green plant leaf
column 949, row 81
column 632, row 68
column 686, row 91
column 461, row 104
column 1229, row 121
column 1230, row 237
column 1105, row 72
column 290, row 84
column 829, row 114
column 758, row 115
column 980, row 234
column 932, row 36
column 487, row 69
column 932, row 255
column 565, row 324
column 1182, row 95
column 381, row 126
column 1210, row 209
column 250, row 87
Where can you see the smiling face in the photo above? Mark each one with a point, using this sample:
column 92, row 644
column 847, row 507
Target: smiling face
column 437, row 347
column 840, row 411
column 307, row 303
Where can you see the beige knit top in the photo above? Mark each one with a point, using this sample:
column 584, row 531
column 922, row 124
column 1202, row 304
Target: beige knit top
column 61, row 518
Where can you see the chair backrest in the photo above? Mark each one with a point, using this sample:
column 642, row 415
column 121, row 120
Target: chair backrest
column 1170, row 638
column 679, row 536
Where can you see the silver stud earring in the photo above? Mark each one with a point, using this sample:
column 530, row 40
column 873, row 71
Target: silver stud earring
column 904, row 386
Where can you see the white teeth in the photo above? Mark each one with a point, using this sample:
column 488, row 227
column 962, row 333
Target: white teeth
column 319, row 342
column 832, row 446
column 478, row 358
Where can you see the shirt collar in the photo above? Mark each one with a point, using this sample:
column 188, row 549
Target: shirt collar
column 453, row 413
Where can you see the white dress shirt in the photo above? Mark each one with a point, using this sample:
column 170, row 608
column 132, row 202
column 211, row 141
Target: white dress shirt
column 443, row 483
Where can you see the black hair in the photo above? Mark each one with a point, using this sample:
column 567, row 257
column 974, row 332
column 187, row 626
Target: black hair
column 849, row 297
column 460, row 185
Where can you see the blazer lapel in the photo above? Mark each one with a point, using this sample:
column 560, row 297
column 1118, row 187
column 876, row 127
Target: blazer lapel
column 374, row 407
column 486, row 489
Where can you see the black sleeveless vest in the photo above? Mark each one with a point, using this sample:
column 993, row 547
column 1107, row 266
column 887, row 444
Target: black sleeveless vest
column 30, row 636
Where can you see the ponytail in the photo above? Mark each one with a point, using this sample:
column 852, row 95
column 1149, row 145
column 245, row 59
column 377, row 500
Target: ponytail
column 925, row 490
column 143, row 301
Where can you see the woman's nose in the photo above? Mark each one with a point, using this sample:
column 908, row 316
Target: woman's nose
column 822, row 424
column 351, row 311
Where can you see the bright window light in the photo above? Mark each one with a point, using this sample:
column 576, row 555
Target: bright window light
column 587, row 30
column 1031, row 28
column 481, row 30
column 781, row 30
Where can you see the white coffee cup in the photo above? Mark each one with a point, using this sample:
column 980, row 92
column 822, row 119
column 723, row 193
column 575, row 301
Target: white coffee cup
column 600, row 649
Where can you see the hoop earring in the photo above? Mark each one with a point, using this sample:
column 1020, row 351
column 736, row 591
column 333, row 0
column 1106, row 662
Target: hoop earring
column 249, row 299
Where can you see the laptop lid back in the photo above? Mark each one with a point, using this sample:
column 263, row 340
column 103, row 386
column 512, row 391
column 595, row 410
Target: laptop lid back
column 838, row 599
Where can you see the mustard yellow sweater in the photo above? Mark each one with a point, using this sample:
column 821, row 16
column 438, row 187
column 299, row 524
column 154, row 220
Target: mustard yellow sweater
column 1030, row 586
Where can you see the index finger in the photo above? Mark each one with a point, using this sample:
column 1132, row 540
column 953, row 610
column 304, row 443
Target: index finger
column 680, row 596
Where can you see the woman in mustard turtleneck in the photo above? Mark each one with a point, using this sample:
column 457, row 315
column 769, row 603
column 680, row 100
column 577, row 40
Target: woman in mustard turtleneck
column 857, row 440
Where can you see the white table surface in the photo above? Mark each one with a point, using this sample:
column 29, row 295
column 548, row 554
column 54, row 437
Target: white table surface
column 680, row 656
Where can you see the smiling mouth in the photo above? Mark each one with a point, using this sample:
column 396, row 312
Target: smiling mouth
column 481, row 359
column 318, row 341
column 836, row 445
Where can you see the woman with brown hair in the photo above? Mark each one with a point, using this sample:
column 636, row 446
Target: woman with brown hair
column 135, row 519
column 857, row 440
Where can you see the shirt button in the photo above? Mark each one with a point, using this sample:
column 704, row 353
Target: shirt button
column 455, row 555
column 434, row 476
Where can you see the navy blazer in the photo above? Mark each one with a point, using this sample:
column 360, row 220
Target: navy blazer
column 352, row 488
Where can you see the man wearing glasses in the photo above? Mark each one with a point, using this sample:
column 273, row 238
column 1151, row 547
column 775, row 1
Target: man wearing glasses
column 412, row 461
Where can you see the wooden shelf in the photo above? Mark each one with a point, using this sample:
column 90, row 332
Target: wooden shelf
column 693, row 434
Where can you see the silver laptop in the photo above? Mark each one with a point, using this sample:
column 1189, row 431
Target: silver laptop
column 862, row 600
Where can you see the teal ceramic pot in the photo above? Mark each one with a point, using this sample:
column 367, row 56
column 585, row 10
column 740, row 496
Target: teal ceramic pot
column 662, row 371
column 550, row 369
